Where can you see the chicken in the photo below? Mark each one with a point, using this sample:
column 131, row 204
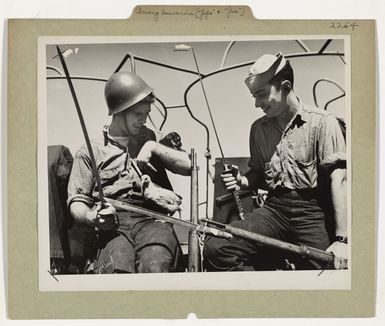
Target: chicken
column 172, row 140
column 163, row 198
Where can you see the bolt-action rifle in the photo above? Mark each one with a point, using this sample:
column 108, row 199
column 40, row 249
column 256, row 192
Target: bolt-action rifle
column 228, row 232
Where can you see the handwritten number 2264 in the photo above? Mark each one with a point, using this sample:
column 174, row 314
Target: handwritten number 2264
column 344, row 25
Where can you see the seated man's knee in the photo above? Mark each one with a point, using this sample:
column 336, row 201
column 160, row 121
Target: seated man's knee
column 213, row 252
column 154, row 259
column 211, row 247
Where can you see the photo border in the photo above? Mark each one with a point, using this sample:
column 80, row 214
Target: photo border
column 258, row 280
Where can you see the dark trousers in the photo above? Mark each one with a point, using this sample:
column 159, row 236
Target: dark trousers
column 288, row 215
column 140, row 245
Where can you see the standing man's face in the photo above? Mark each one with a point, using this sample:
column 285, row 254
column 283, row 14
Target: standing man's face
column 270, row 99
column 135, row 117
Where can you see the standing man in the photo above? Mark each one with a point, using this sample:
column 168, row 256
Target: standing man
column 127, row 242
column 291, row 147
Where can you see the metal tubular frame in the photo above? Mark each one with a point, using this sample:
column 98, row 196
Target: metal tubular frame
column 328, row 81
column 201, row 76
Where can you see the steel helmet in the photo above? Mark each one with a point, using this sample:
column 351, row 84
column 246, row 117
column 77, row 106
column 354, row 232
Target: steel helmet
column 124, row 89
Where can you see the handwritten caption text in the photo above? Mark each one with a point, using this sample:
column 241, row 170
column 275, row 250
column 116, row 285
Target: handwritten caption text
column 198, row 13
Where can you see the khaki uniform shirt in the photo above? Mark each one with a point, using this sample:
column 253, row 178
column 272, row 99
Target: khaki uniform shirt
column 291, row 158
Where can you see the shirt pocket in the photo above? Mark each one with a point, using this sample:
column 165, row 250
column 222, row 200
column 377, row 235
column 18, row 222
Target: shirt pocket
column 109, row 175
column 304, row 154
column 306, row 174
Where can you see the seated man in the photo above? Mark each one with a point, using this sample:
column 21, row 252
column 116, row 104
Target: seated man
column 127, row 242
column 291, row 146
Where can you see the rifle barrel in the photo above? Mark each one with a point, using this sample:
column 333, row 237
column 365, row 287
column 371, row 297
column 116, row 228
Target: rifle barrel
column 307, row 252
column 186, row 224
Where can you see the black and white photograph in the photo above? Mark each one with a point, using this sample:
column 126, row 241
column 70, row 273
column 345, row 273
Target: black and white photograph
column 194, row 162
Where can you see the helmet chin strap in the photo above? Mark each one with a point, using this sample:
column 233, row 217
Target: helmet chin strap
column 118, row 126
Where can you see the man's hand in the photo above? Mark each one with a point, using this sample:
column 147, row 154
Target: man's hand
column 340, row 251
column 232, row 179
column 104, row 219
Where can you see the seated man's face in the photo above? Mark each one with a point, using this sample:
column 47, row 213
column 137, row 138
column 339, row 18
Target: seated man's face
column 135, row 117
column 270, row 100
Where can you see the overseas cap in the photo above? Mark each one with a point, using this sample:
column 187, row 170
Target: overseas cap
column 264, row 69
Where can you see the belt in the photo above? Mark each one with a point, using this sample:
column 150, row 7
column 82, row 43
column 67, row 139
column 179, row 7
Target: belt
column 306, row 193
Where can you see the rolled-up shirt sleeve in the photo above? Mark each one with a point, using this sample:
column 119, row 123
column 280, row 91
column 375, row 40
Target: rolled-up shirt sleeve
column 81, row 180
column 331, row 144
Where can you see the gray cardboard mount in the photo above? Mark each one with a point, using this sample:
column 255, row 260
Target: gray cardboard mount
column 24, row 299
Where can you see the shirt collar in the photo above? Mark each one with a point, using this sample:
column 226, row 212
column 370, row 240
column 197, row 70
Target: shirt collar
column 300, row 117
column 109, row 139
column 301, row 114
